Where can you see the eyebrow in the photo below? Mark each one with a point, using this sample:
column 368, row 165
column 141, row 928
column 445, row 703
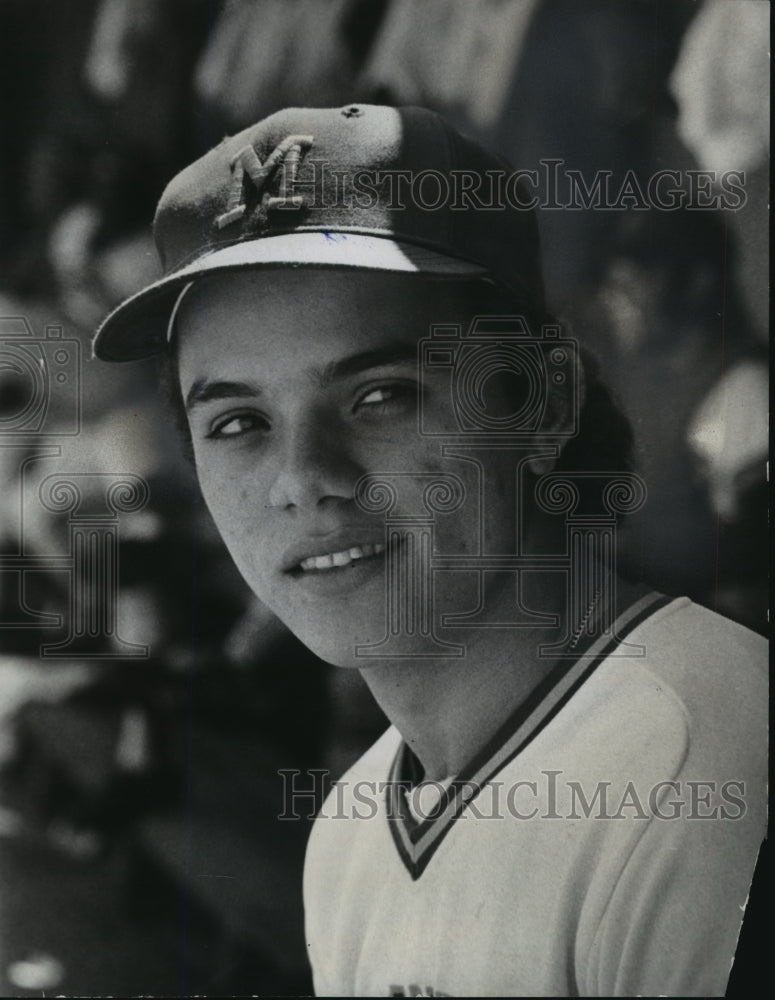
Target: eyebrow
column 204, row 390
column 396, row 353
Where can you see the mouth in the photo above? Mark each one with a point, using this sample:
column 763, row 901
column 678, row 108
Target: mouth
column 342, row 559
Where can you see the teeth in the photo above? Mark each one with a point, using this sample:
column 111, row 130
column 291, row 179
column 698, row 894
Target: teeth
column 343, row 558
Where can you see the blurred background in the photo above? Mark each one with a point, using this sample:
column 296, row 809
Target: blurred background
column 140, row 850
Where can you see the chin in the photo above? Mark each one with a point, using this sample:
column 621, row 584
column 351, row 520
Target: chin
column 333, row 638
column 329, row 645
column 342, row 646
column 333, row 624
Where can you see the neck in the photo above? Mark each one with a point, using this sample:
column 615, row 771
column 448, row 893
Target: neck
column 447, row 709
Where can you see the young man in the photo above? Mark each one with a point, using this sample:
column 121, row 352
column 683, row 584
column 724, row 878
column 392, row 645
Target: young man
column 411, row 466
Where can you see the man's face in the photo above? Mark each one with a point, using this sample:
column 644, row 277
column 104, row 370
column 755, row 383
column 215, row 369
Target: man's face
column 298, row 383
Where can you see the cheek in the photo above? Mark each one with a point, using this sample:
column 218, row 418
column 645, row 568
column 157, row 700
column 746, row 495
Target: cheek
column 239, row 515
column 488, row 516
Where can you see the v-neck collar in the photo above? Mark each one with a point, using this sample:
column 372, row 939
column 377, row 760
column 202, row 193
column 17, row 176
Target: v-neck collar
column 417, row 840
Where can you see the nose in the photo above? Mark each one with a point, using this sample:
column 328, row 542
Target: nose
column 314, row 466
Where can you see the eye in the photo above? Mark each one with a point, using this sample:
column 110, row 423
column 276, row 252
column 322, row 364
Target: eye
column 395, row 396
column 236, row 425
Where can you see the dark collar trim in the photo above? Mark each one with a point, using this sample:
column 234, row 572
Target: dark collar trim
column 418, row 840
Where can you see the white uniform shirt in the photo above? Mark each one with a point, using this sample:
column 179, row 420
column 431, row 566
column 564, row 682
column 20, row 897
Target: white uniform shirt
column 602, row 844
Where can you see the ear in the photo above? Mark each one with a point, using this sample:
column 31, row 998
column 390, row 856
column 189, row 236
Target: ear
column 563, row 409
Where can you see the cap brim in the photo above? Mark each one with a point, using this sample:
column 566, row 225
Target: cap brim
column 138, row 327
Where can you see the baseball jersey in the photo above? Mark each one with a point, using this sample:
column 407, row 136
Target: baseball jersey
column 602, row 844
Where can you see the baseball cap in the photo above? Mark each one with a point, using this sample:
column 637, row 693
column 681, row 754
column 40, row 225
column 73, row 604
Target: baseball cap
column 364, row 186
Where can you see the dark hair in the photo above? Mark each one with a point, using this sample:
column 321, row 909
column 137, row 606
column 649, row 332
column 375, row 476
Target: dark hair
column 169, row 388
column 604, row 442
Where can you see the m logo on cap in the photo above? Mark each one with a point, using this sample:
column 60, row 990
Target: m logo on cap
column 286, row 155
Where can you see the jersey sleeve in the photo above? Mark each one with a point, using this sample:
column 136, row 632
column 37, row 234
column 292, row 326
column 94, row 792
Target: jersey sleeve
column 671, row 924
column 336, row 841
column 319, row 897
